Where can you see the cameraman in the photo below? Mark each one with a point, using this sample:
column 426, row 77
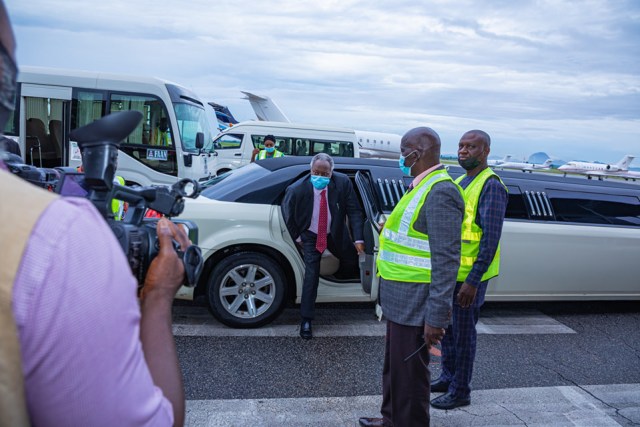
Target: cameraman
column 76, row 348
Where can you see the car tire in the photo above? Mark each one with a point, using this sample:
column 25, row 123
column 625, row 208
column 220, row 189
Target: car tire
column 240, row 302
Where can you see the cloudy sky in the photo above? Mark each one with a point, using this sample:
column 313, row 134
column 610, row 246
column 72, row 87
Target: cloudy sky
column 548, row 75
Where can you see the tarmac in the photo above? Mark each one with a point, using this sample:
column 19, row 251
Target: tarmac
column 595, row 405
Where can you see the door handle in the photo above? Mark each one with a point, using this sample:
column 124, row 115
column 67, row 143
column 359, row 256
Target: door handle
column 238, row 154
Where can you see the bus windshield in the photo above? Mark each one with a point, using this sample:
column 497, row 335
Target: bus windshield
column 191, row 120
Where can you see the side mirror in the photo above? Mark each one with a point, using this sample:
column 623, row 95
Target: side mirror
column 199, row 140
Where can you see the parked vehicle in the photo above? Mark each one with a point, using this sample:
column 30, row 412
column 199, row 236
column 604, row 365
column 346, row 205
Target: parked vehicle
column 563, row 239
column 164, row 147
column 234, row 146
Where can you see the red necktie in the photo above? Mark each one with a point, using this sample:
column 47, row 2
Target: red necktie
column 321, row 242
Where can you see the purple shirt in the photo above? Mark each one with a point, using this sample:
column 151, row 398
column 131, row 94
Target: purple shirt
column 78, row 319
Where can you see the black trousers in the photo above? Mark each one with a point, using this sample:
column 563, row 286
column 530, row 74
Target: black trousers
column 311, row 258
column 405, row 384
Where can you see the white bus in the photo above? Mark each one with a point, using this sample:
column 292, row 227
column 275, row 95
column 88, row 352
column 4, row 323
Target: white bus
column 233, row 146
column 50, row 103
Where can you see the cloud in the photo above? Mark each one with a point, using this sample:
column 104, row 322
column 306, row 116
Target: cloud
column 543, row 75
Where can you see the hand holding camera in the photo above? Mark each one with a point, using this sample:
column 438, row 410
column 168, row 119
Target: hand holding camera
column 166, row 271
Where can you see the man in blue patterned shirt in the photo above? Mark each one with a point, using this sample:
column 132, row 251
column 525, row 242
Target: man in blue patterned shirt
column 485, row 199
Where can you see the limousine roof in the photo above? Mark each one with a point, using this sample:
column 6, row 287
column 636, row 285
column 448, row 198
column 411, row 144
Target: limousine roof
column 539, row 177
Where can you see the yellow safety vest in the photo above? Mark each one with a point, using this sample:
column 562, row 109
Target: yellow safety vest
column 163, row 138
column 404, row 254
column 117, row 206
column 263, row 154
column 471, row 232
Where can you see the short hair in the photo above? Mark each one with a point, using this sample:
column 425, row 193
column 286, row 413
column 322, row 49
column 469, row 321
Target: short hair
column 480, row 133
column 322, row 156
column 269, row 138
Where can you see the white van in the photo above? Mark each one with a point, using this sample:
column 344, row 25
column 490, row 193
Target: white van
column 165, row 146
column 234, row 146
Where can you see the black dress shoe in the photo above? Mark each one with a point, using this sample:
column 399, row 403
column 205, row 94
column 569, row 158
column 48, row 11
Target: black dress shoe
column 371, row 422
column 305, row 330
column 448, row 401
column 439, row 386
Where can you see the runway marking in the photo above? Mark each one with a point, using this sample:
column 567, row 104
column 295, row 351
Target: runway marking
column 197, row 321
column 549, row 406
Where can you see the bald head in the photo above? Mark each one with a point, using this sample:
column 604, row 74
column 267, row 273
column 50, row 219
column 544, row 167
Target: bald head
column 423, row 144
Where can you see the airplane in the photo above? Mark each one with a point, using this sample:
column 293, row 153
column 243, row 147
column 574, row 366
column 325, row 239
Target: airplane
column 526, row 167
column 627, row 175
column 378, row 145
column 499, row 162
column 224, row 117
column 600, row 170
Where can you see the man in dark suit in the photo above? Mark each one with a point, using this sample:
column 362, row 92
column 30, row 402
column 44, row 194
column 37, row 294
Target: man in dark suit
column 418, row 260
column 315, row 209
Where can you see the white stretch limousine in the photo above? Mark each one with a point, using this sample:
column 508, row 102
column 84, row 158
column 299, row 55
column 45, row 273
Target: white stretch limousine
column 563, row 239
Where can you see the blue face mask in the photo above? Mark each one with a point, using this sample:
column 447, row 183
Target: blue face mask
column 270, row 149
column 319, row 182
column 406, row 169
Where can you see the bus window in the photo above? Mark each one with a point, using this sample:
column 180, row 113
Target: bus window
column 87, row 106
column 283, row 143
column 151, row 141
column 228, row 141
column 302, row 147
column 43, row 131
column 191, row 120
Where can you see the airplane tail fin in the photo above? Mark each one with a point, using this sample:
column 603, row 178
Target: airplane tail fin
column 507, row 158
column 265, row 108
column 625, row 162
column 547, row 163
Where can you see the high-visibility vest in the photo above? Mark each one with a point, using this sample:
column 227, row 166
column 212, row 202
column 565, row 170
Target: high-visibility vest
column 471, row 232
column 117, row 206
column 263, row 154
column 404, row 254
column 163, row 138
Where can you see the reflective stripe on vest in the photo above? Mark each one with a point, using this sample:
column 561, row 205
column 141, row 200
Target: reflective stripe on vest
column 263, row 154
column 471, row 232
column 404, row 254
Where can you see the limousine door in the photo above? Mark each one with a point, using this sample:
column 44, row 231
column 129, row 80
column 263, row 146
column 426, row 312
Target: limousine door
column 373, row 215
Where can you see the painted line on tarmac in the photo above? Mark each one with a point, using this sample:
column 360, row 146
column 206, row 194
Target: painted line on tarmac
column 198, row 322
column 353, row 330
column 548, row 406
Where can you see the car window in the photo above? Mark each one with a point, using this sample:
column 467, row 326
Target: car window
column 595, row 208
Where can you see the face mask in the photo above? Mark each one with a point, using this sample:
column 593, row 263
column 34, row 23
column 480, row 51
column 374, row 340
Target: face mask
column 270, row 149
column 8, row 74
column 404, row 168
column 319, row 182
column 469, row 163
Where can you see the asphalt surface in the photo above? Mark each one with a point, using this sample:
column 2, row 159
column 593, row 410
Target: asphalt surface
column 603, row 348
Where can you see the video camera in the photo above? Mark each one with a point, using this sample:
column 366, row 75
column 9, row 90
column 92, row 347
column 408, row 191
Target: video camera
column 99, row 142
